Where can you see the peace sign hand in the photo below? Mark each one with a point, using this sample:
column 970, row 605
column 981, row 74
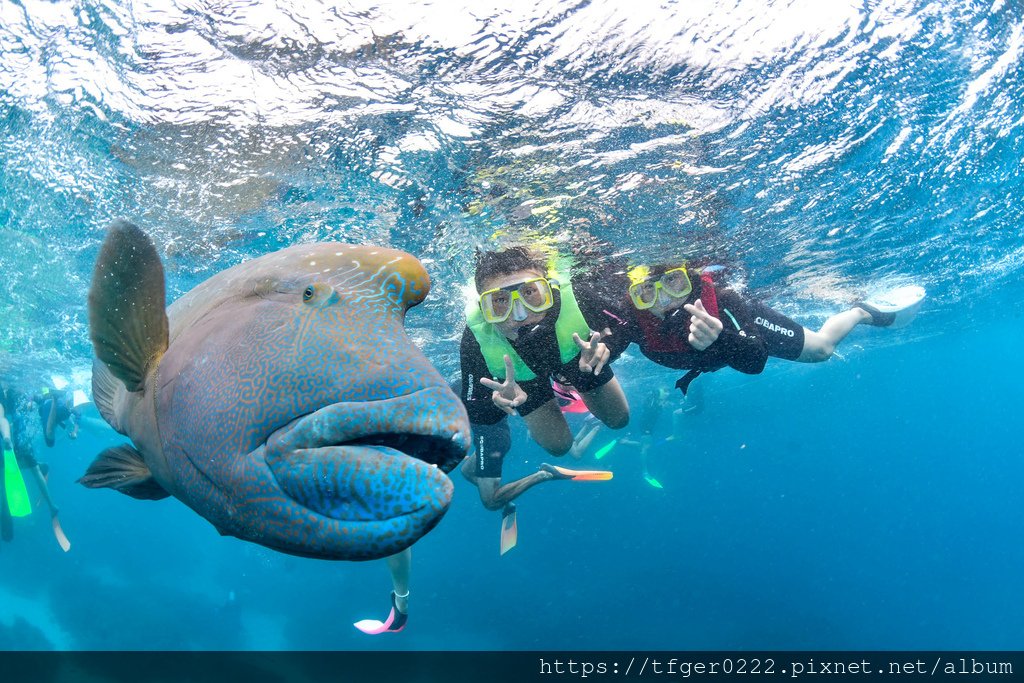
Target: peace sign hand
column 506, row 395
column 593, row 353
column 704, row 327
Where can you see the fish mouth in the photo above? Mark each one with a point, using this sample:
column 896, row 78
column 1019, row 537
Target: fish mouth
column 440, row 451
column 378, row 465
column 429, row 425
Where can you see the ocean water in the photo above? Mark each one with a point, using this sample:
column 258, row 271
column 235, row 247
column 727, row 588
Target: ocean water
column 820, row 151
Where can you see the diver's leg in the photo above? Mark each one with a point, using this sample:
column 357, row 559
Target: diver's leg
column 608, row 404
column 548, row 428
column 820, row 345
column 496, row 496
column 400, row 565
column 482, row 468
column 37, row 474
column 583, row 440
column 50, row 428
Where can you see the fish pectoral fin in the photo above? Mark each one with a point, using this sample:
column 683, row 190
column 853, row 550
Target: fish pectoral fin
column 123, row 469
column 127, row 304
column 104, row 389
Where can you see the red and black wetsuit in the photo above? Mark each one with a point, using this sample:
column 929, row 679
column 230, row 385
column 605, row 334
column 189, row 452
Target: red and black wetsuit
column 751, row 332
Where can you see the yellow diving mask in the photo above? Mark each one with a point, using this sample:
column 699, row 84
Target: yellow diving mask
column 533, row 294
column 644, row 290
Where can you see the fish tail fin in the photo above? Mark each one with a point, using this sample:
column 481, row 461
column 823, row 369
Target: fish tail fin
column 127, row 304
column 123, row 469
column 104, row 389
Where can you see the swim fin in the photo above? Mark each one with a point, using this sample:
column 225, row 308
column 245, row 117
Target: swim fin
column 894, row 308
column 605, row 449
column 395, row 621
column 58, row 532
column 6, row 523
column 509, row 528
column 577, row 475
column 17, row 495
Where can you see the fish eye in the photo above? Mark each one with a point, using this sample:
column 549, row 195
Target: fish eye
column 319, row 294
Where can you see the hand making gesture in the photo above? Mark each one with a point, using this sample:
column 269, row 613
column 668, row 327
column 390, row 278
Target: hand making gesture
column 704, row 327
column 506, row 395
column 593, row 353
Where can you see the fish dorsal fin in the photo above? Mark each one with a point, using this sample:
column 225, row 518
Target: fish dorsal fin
column 127, row 304
column 104, row 389
column 123, row 469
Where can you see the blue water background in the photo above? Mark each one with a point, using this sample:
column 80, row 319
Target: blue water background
column 869, row 502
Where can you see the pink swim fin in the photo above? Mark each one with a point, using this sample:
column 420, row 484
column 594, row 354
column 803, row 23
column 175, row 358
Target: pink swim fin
column 395, row 621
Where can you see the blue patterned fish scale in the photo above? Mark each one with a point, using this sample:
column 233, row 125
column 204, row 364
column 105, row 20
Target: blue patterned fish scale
column 287, row 393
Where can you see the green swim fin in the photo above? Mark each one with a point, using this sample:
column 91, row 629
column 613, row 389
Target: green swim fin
column 17, row 495
column 605, row 449
column 653, row 482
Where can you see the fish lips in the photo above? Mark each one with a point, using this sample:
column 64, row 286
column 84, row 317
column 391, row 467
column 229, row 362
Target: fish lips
column 374, row 460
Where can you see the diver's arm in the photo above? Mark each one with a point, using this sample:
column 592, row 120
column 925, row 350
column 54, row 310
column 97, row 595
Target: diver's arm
column 747, row 354
column 738, row 345
column 475, row 397
column 506, row 395
column 603, row 311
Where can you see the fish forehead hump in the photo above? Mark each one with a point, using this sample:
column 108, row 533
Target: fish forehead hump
column 242, row 365
column 393, row 274
column 370, row 275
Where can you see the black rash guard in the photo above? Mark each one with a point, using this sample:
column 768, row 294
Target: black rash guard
column 538, row 347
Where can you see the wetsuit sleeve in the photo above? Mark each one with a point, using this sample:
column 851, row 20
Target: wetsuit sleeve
column 739, row 344
column 618, row 323
column 603, row 308
column 475, row 396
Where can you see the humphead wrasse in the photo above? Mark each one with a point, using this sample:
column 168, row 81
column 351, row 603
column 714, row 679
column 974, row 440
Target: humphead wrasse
column 280, row 399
